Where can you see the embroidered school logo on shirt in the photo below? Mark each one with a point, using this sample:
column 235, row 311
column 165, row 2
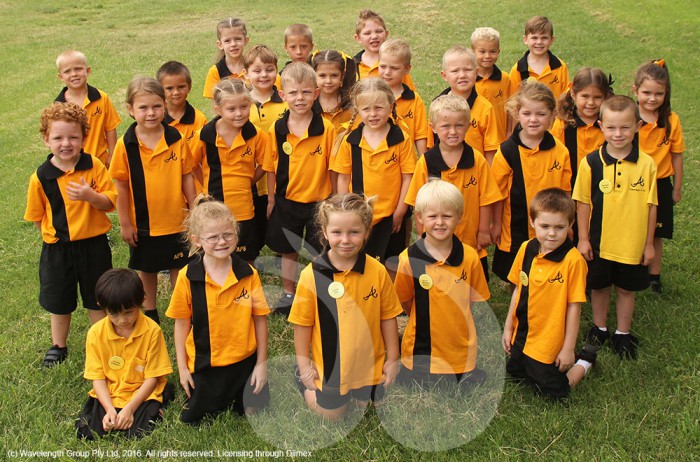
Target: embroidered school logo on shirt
column 558, row 278
column 93, row 185
column 555, row 166
column 473, row 123
column 244, row 295
column 499, row 94
column 639, row 182
column 555, row 79
column 663, row 142
column 98, row 111
column 318, row 151
column 462, row 277
column 172, row 156
column 372, row 293
column 471, row 182
column 391, row 159
column 408, row 115
column 247, row 152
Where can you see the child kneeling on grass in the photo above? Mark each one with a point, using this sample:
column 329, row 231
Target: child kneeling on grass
column 127, row 361
column 543, row 320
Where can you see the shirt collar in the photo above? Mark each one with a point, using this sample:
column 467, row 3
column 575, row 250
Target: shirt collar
column 187, row 118
column 51, row 172
column 633, row 156
column 323, row 262
column 496, row 74
column 454, row 259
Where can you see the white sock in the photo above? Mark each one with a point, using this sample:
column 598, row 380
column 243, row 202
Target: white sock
column 586, row 365
column 617, row 332
column 604, row 328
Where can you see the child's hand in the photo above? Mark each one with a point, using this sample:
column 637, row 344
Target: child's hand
column 507, row 336
column 109, row 420
column 308, row 377
column 125, row 419
column 259, row 378
column 565, row 359
column 677, row 196
column 648, row 255
column 129, row 234
column 483, row 240
column 270, row 206
column 79, row 191
column 397, row 221
column 495, row 235
column 186, row 381
column 584, row 246
column 390, row 370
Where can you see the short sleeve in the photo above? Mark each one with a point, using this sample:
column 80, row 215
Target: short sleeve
column 420, row 177
column 676, row 138
column 304, row 306
column 93, row 361
column 36, row 200
column 501, row 173
column 403, row 283
column 514, row 274
column 490, row 133
column 479, row 286
column 578, row 270
column 211, row 80
column 112, row 119
column 260, row 307
column 105, row 185
column 158, row 361
column 119, row 166
column 343, row 159
column 270, row 158
column 407, row 156
column 391, row 307
column 198, row 149
column 489, row 192
column 180, row 306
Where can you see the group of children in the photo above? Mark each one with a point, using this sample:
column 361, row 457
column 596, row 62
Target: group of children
column 335, row 153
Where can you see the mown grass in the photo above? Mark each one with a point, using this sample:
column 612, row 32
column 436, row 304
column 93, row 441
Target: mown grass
column 647, row 409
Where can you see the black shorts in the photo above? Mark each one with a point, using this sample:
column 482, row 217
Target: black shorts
column 89, row 424
column 399, row 241
column 332, row 399
column 502, row 263
column 158, row 253
column 604, row 273
column 408, row 378
column 289, row 221
column 260, row 220
column 664, row 211
column 64, row 266
column 217, row 389
column 545, row 379
column 247, row 240
column 485, row 266
column 378, row 240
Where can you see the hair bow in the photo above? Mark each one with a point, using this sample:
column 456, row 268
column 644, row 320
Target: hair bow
column 660, row 62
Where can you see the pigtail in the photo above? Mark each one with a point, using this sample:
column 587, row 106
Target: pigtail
column 339, row 139
column 351, row 76
column 566, row 108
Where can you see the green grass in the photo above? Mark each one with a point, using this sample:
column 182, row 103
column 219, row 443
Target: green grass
column 646, row 410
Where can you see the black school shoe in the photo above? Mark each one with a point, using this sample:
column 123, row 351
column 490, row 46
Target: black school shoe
column 625, row 345
column 284, row 305
column 596, row 338
column 655, row 285
column 55, row 356
column 588, row 354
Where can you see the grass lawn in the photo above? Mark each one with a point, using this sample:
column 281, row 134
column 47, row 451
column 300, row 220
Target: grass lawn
column 649, row 409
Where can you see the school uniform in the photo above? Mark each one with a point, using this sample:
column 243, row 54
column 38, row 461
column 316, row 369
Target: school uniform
column 546, row 284
column 555, row 75
column 337, row 118
column 410, row 109
column 620, row 193
column 124, row 363
column 580, row 139
column 216, row 73
column 471, row 175
column 301, row 167
column 496, row 89
column 377, row 172
column 221, row 345
column 440, row 337
column 264, row 114
column 366, row 71
column 157, row 205
column 75, row 250
column 191, row 121
column 102, row 118
column 347, row 347
column 520, row 172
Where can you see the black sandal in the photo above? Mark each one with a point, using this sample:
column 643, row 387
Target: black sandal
column 55, row 356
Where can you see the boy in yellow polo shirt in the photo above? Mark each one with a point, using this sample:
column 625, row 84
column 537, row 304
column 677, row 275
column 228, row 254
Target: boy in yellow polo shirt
column 127, row 361
column 543, row 320
column 103, row 119
column 616, row 194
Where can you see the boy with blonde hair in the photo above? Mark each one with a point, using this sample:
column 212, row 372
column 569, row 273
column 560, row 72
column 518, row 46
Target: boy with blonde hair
column 103, row 120
column 616, row 194
column 454, row 161
column 459, row 70
column 296, row 162
column 179, row 113
column 491, row 82
column 539, row 62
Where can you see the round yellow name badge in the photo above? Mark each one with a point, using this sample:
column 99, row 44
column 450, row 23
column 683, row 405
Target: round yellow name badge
column 115, row 363
column 524, row 279
column 425, row 281
column 336, row 289
column 287, row 148
column 605, row 186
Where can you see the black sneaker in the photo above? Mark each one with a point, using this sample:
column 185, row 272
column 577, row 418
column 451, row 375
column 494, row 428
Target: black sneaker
column 55, row 356
column 625, row 345
column 588, row 353
column 284, row 305
column 655, row 286
column 596, row 338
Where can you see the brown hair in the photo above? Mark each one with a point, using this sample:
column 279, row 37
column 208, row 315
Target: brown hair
column 585, row 77
column 553, row 200
column 67, row 112
column 658, row 71
column 174, row 68
column 229, row 23
column 620, row 103
column 230, row 87
column 368, row 15
column 347, row 67
column 262, row 52
column 539, row 25
column 533, row 91
column 299, row 29
column 143, row 85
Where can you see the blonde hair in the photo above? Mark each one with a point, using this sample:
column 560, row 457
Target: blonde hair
column 299, row 29
column 440, row 194
column 531, row 91
column 396, row 47
column 339, row 203
column 143, row 85
column 206, row 209
column 70, row 54
column 487, row 34
column 229, row 23
column 67, row 112
column 262, row 52
column 539, row 25
column 458, row 50
column 228, row 88
column 298, row 72
column 448, row 102
column 365, row 16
